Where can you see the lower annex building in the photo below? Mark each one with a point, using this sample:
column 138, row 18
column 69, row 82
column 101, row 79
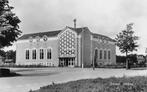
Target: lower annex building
column 72, row 47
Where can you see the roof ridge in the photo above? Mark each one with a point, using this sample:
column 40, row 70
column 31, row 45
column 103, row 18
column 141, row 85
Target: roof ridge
column 49, row 33
column 103, row 36
column 41, row 32
column 76, row 27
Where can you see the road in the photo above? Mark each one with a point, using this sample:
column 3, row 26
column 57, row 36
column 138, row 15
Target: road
column 34, row 78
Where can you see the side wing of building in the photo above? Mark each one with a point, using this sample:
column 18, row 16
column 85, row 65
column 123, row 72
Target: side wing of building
column 37, row 51
column 103, row 50
column 97, row 49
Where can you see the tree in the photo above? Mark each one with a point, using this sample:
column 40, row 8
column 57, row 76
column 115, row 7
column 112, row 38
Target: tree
column 11, row 55
column 2, row 53
column 120, row 59
column 9, row 28
column 126, row 41
column 133, row 59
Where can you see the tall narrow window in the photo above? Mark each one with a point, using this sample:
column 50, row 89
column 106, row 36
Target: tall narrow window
column 100, row 54
column 109, row 55
column 49, row 54
column 96, row 55
column 105, row 55
column 27, row 54
column 34, row 54
column 41, row 54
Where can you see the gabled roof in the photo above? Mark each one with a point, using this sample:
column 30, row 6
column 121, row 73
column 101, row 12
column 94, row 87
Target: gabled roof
column 78, row 30
column 102, row 37
column 95, row 35
column 49, row 33
column 41, row 34
column 55, row 33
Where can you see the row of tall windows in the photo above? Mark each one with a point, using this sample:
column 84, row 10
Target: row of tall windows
column 103, row 54
column 41, row 54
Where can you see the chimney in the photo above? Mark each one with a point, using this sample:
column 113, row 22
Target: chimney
column 75, row 23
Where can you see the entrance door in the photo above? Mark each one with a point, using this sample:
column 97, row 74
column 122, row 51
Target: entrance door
column 66, row 62
column 69, row 62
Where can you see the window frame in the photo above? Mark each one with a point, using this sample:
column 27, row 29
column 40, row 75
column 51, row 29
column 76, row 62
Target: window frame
column 45, row 38
column 109, row 54
column 27, row 54
column 34, row 54
column 41, row 53
column 101, row 54
column 105, row 54
column 49, row 53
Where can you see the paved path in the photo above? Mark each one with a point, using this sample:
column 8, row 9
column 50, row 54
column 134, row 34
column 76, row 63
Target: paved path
column 35, row 78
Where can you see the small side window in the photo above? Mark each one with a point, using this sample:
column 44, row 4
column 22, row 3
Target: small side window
column 45, row 38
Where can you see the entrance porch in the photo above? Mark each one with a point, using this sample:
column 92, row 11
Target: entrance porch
column 67, row 61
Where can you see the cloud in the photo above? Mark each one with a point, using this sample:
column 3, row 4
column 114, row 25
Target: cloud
column 106, row 17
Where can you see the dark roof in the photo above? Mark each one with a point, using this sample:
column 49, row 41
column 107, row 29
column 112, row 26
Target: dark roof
column 55, row 33
column 49, row 33
column 78, row 30
column 41, row 34
column 102, row 37
column 95, row 35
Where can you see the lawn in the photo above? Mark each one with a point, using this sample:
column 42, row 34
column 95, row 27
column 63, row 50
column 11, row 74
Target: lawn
column 113, row 84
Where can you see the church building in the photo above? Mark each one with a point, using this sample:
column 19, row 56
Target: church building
column 69, row 47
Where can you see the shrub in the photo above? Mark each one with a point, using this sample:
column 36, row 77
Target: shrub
column 7, row 73
column 4, row 72
column 111, row 66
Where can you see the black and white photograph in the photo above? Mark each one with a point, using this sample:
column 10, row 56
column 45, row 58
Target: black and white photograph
column 73, row 46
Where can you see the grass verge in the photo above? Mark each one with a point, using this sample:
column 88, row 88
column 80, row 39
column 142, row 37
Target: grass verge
column 124, row 84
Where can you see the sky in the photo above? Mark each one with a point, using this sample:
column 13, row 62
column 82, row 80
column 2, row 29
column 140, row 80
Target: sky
column 107, row 17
